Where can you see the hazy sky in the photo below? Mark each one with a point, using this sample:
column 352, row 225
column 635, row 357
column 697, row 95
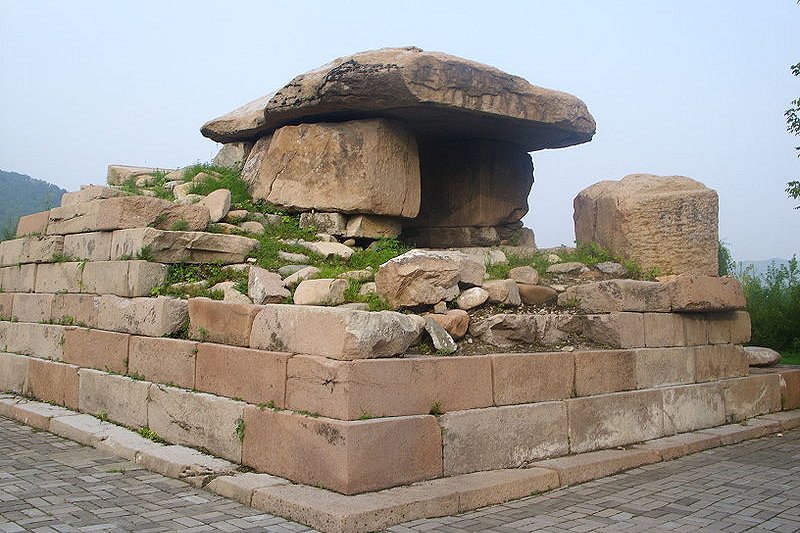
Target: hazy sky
column 676, row 87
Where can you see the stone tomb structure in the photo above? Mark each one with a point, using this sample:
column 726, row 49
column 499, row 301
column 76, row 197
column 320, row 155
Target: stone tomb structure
column 423, row 143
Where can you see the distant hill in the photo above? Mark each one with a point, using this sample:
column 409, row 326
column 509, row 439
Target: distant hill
column 759, row 268
column 23, row 195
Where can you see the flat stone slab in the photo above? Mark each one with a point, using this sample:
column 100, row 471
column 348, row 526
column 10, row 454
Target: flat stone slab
column 181, row 246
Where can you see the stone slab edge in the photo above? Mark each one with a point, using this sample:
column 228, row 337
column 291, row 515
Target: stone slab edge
column 331, row 512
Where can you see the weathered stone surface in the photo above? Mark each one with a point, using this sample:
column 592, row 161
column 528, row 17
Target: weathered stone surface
column 524, row 275
column 321, row 292
column 790, row 384
column 615, row 419
column 222, row 322
column 604, row 371
column 690, row 292
column 59, row 277
column 348, row 457
column 32, row 249
column 13, row 369
column 656, row 367
column 38, row 340
column 123, row 213
column 751, row 396
column 454, row 321
column 328, row 249
column 576, row 469
column 123, row 278
column 119, row 174
column 536, row 294
column 442, row 341
column 233, row 155
column 35, row 414
column 151, row 317
column 77, row 309
column 103, row 350
column 731, row 327
column 95, row 246
column 32, row 307
column 6, row 305
column 89, row 193
column 122, row 399
column 256, row 376
column 452, row 237
column 693, row 407
column 358, row 166
column 437, row 94
column 618, row 295
column 163, row 360
column 669, row 223
column 670, row 448
column 572, row 268
column 331, row 223
column 230, row 293
column 181, row 246
column 197, row 419
column 53, row 382
column 240, row 487
column 617, row 329
column 20, row 278
column 504, row 330
column 350, row 390
column 426, row 277
column 719, row 362
column 532, row 377
column 472, row 298
column 301, row 274
column 35, row 223
column 503, row 437
column 503, row 291
column 760, row 356
column 264, row 286
column 218, row 204
column 663, row 329
column 373, row 227
column 180, row 462
column 333, row 332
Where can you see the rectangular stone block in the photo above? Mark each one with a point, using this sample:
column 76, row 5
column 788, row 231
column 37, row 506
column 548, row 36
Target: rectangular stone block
column 169, row 361
column 60, row 277
column 256, row 376
column 657, row 367
column 347, row 457
column 151, row 317
column 740, row 327
column 616, row 330
column 503, row 437
column 181, row 246
column 719, row 362
column 33, row 307
column 698, row 293
column 221, row 322
column 387, row 387
column 122, row 399
column 790, row 388
column 240, row 487
column 693, row 407
column 663, row 330
column 92, row 348
column 39, row 340
column 199, row 420
column 752, row 396
column 617, row 419
column 618, row 295
column 749, row 429
column 787, row 419
column 576, row 469
column 6, row 305
column 89, row 193
column 95, row 246
column 34, row 414
column 35, row 223
column 679, row 445
column 53, row 382
column 32, row 249
column 732, row 327
column 13, row 370
column 604, row 371
column 20, row 278
column 123, row 278
column 695, row 329
column 78, row 309
column 532, row 377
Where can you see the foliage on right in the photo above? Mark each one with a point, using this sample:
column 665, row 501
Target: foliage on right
column 793, row 126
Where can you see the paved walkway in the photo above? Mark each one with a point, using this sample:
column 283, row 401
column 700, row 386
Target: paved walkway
column 48, row 484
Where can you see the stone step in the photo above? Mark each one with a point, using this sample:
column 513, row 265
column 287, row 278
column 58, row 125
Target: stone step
column 34, row 249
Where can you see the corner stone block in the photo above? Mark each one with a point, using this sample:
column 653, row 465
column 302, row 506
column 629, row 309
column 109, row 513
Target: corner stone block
column 79, row 309
column 347, row 457
column 503, row 437
column 123, row 278
column 6, row 305
column 92, row 348
column 752, row 396
column 53, row 382
column 719, row 362
column 790, row 388
column 123, row 399
column 604, row 371
column 95, row 246
column 657, row 367
column 39, row 340
column 221, row 322
column 59, row 277
column 617, row 330
column 532, row 377
column 256, row 376
column 35, row 223
column 693, row 407
column 197, row 419
column 163, row 360
column 663, row 330
column 614, row 419
column 348, row 390
column 13, row 370
column 151, row 317
column 697, row 293
column 21, row 278
column 33, row 307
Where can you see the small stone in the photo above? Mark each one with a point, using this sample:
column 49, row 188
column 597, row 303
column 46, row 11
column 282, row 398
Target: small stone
column 373, row 227
column 182, row 190
column 367, row 288
column 358, row 275
column 331, row 223
column 304, row 274
column 472, row 298
column 292, row 257
column 536, row 294
column 321, row 292
column 524, row 275
column 442, row 340
column 288, row 270
column 218, row 204
column 454, row 321
column 567, row 268
column 553, row 259
column 170, row 185
column 226, row 228
column 324, row 237
column 558, row 287
column 760, row 356
column 147, row 192
column 145, row 181
column 236, row 215
column 251, row 226
column 265, row 287
column 503, row 291
column 611, row 268
column 328, row 249
column 440, row 308
column 251, row 260
column 230, row 294
column 349, row 242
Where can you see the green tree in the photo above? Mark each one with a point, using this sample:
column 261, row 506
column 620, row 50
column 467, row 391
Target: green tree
column 793, row 126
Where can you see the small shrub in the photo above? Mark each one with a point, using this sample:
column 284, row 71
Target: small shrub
column 149, row 434
column 219, row 178
column 239, row 429
column 436, row 409
column 179, row 225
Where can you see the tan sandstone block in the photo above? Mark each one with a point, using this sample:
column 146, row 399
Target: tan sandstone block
column 657, row 367
column 6, row 305
column 123, row 278
column 95, row 246
column 746, row 430
column 348, row 457
column 53, row 382
column 532, row 377
column 35, row 223
column 691, row 292
column 663, row 330
column 163, row 360
column 752, row 396
column 695, row 329
column 719, row 361
column 32, row 249
column 584, row 467
column 256, row 376
column 387, row 387
column 151, row 317
column 240, row 487
column 615, row 419
column 675, row 446
column 79, row 309
column 221, row 322
column 20, row 278
column 693, row 407
column 92, row 348
column 87, row 193
column 181, row 246
column 39, row 340
column 616, row 330
column 790, row 388
column 59, row 277
column 740, row 327
column 197, row 419
column 618, row 295
column 121, row 398
column 603, row 371
column 13, row 369
column 503, row 437
column 33, row 307
column 731, row 327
